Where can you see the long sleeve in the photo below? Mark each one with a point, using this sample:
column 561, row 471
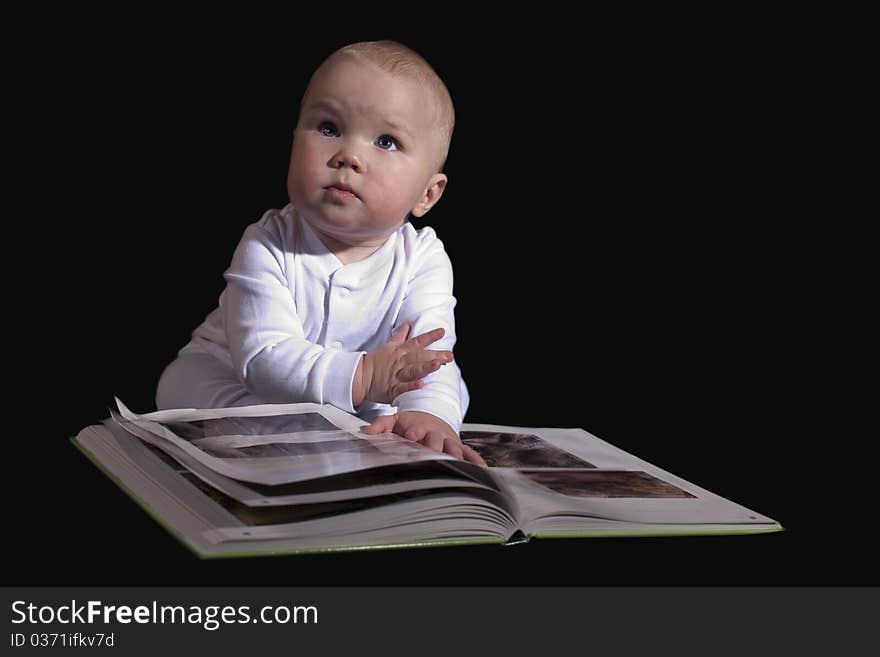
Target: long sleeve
column 267, row 344
column 429, row 304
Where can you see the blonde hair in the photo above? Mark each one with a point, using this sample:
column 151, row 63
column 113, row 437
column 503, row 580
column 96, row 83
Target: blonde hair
column 398, row 59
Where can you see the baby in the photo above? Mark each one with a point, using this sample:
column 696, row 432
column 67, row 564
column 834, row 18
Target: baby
column 335, row 298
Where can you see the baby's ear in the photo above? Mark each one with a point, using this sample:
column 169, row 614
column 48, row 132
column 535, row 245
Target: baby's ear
column 432, row 194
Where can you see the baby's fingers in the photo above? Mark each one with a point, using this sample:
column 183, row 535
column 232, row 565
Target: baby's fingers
column 430, row 337
column 382, row 424
column 405, row 386
column 414, row 435
column 453, row 448
column 434, row 441
column 470, row 455
column 401, row 334
column 418, row 370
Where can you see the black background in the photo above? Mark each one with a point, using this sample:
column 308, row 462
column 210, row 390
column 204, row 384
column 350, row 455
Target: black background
column 622, row 215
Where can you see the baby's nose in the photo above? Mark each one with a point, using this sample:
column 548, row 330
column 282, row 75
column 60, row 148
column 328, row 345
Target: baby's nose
column 347, row 158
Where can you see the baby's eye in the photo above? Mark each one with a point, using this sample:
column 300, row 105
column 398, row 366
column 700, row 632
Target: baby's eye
column 328, row 129
column 387, row 143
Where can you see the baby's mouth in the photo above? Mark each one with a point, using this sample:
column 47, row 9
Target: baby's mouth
column 340, row 190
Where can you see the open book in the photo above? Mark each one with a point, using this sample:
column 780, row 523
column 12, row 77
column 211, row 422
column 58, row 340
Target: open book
column 283, row 478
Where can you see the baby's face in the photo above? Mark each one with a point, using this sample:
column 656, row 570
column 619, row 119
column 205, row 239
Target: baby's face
column 364, row 153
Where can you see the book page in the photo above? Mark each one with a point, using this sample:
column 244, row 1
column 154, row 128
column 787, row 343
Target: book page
column 563, row 477
column 422, row 475
column 274, row 443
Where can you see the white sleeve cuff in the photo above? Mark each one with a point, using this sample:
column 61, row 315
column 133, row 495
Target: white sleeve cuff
column 340, row 376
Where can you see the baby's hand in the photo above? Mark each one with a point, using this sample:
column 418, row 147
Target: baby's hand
column 428, row 430
column 397, row 366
